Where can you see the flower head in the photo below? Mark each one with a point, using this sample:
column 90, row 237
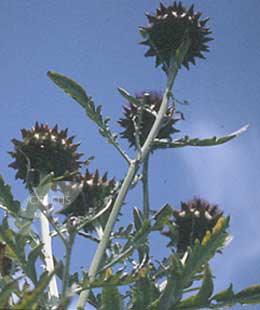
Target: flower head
column 153, row 102
column 93, row 198
column 195, row 218
column 44, row 150
column 166, row 30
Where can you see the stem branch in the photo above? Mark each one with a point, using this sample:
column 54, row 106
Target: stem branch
column 146, row 207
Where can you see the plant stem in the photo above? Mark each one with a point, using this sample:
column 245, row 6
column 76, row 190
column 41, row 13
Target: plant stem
column 127, row 183
column 146, row 208
column 65, row 277
column 47, row 251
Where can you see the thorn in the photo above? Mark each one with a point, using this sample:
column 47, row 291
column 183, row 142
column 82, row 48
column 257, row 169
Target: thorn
column 191, row 10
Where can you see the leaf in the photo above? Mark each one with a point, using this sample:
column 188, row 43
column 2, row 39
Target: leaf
column 32, row 257
column 250, row 295
column 172, row 292
column 204, row 294
column 70, row 87
column 186, row 141
column 130, row 98
column 143, row 251
column 6, row 292
column 144, row 292
column 138, row 219
column 182, row 50
column 94, row 113
column 6, row 198
column 7, row 235
column 111, row 298
column 207, row 287
column 202, row 253
column 228, row 298
column 89, row 160
column 30, row 300
column 162, row 217
column 119, row 278
column 224, row 295
column 135, row 242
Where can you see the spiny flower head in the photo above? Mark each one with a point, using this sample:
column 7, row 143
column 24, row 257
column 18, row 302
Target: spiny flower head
column 195, row 218
column 93, row 197
column 44, row 150
column 166, row 31
column 153, row 101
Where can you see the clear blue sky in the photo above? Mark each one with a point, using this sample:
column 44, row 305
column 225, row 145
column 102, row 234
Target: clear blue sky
column 96, row 43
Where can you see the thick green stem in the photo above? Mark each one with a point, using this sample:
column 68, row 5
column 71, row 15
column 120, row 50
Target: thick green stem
column 146, row 207
column 100, row 252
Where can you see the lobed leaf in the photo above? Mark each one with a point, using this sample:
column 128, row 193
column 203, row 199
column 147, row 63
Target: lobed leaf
column 204, row 294
column 202, row 252
column 111, row 298
column 186, row 141
column 6, row 293
column 30, row 265
column 6, row 198
column 77, row 92
column 30, row 300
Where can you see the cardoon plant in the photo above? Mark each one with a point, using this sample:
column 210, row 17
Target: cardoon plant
column 123, row 274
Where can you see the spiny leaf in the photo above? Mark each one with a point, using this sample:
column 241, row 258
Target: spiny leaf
column 228, row 298
column 203, row 296
column 70, row 87
column 144, row 292
column 135, row 242
column 32, row 257
column 172, row 292
column 119, row 278
column 6, row 292
column 6, row 234
column 111, row 299
column 6, row 198
column 30, row 300
column 186, row 141
column 207, row 287
column 224, row 295
column 202, row 253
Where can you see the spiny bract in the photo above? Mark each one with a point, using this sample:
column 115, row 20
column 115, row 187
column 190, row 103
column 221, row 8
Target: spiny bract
column 166, row 30
column 42, row 151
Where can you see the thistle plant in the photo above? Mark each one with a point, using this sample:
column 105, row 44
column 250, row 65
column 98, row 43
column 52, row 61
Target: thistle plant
column 123, row 274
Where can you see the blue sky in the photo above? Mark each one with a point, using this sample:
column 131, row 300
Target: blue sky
column 96, row 43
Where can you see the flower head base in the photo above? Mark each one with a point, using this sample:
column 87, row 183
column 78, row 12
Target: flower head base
column 153, row 102
column 92, row 199
column 167, row 29
column 195, row 218
column 44, row 150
